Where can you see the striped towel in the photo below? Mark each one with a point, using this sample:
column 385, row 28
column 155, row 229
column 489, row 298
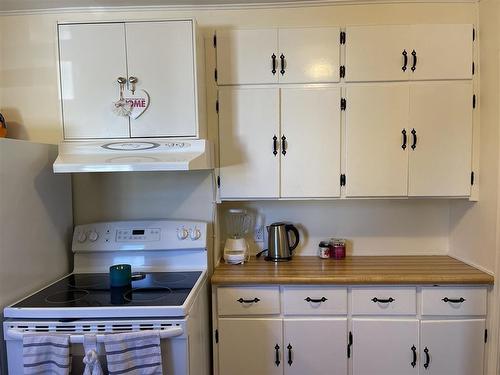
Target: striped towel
column 46, row 354
column 134, row 353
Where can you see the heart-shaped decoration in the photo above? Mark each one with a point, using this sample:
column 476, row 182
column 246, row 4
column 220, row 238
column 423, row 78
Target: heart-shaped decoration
column 139, row 102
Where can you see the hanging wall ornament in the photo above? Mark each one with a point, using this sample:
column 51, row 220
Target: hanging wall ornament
column 139, row 103
column 122, row 107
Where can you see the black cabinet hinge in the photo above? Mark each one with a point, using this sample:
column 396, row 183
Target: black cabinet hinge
column 342, row 71
column 349, row 344
column 342, row 180
column 343, row 104
column 474, row 101
column 215, row 40
column 215, row 75
column 216, row 336
column 485, row 336
column 218, row 181
column 473, row 68
column 342, row 37
column 472, row 178
column 473, row 34
column 217, row 106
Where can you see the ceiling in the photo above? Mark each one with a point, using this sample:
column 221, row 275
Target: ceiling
column 24, row 5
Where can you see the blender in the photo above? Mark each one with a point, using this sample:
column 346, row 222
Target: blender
column 238, row 224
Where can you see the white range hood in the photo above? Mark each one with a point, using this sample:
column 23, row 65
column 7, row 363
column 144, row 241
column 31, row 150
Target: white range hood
column 134, row 155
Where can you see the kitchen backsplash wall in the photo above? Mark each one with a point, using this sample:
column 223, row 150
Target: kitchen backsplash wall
column 372, row 227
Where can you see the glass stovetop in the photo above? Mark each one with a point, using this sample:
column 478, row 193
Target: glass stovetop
column 93, row 290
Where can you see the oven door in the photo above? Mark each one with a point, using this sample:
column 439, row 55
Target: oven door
column 174, row 340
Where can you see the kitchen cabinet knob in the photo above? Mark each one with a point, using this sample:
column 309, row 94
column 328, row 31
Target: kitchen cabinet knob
column 414, row 66
column 405, row 60
column 121, row 80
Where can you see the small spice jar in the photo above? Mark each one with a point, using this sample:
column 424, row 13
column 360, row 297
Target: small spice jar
column 337, row 248
column 324, row 249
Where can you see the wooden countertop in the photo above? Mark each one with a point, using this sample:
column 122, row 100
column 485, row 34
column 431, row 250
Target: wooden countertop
column 352, row 270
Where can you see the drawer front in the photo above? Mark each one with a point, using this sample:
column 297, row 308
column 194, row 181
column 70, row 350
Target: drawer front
column 384, row 301
column 314, row 301
column 248, row 300
column 454, row 301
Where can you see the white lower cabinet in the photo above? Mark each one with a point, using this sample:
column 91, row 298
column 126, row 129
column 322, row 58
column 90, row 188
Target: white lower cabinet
column 452, row 347
column 250, row 346
column 384, row 346
column 315, row 346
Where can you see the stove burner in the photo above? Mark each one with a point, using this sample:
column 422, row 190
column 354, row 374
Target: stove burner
column 87, row 282
column 146, row 294
column 170, row 278
column 67, row 296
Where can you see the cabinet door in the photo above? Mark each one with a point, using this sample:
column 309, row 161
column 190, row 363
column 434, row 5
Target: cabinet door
column 245, row 56
column 454, row 347
column 376, row 53
column 310, row 54
column 440, row 163
column 384, row 346
column 250, row 346
column 248, row 121
column 310, row 162
column 161, row 56
column 376, row 156
column 89, row 80
column 315, row 346
column 442, row 51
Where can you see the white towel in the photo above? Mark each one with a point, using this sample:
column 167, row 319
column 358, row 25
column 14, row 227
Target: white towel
column 134, row 353
column 46, row 354
column 91, row 359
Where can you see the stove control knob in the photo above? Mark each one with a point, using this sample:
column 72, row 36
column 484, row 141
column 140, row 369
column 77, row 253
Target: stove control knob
column 82, row 237
column 195, row 234
column 182, row 233
column 93, row 235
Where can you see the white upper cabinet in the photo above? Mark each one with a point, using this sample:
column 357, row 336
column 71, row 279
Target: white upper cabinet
column 418, row 52
column 309, row 54
column 376, row 139
column 166, row 71
column 289, row 55
column 92, row 58
column 89, row 84
column 310, row 132
column 377, row 53
column 249, row 142
column 441, row 139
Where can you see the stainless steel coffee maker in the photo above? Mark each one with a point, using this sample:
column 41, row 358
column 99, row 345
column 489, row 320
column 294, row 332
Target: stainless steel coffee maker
column 279, row 248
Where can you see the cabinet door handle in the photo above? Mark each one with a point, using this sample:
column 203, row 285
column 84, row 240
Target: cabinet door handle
column 282, row 62
column 388, row 300
column 317, row 300
column 273, row 58
column 427, row 358
column 458, row 300
column 349, row 344
column 405, row 60
column 275, row 145
column 414, row 352
column 414, row 134
column 414, row 66
column 290, row 361
column 405, row 139
column 283, row 145
column 241, row 300
column 277, row 353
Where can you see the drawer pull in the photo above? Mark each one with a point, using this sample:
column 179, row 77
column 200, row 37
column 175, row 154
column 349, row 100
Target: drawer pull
column 277, row 352
column 273, row 58
column 414, row 352
column 389, row 300
column 241, row 300
column 427, row 358
column 290, row 361
column 451, row 300
column 316, row 300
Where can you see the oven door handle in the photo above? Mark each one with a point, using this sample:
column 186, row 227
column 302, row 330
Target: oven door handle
column 18, row 334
